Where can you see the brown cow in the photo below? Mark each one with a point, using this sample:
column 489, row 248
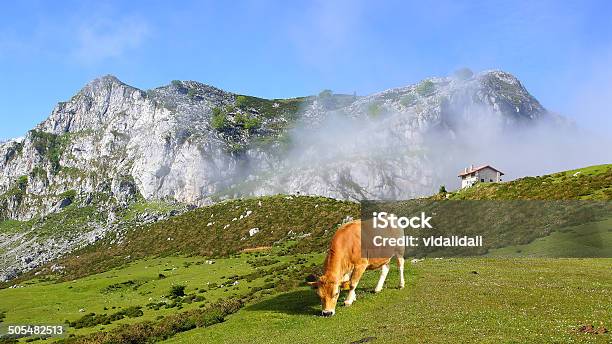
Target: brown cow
column 344, row 263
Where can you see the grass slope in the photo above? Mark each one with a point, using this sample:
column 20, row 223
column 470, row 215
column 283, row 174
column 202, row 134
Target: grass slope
column 594, row 182
column 147, row 284
column 535, row 300
column 449, row 300
column 214, row 231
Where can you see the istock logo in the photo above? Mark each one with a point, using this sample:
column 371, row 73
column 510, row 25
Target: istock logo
column 384, row 220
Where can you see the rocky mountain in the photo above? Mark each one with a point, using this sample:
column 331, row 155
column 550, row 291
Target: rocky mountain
column 113, row 145
column 196, row 144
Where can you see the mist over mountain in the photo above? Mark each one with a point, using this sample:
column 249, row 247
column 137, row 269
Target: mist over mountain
column 196, row 144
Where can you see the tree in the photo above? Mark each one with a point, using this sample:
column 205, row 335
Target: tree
column 425, row 88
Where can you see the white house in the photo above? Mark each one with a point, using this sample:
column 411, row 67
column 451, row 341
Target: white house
column 482, row 174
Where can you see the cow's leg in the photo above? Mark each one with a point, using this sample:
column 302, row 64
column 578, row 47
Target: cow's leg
column 383, row 276
column 345, row 285
column 400, row 264
column 355, row 277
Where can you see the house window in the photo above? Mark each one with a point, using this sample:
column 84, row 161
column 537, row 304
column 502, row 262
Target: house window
column 491, row 180
column 482, row 180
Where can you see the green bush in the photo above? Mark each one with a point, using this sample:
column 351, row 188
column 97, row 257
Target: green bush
column 70, row 194
column 49, row 146
column 241, row 102
column 191, row 93
column 93, row 319
column 22, row 183
column 177, row 290
column 219, row 119
column 248, row 123
column 150, row 332
column 425, row 88
column 408, row 99
column 374, row 110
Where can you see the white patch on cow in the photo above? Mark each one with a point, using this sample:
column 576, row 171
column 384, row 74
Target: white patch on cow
column 383, row 277
column 400, row 264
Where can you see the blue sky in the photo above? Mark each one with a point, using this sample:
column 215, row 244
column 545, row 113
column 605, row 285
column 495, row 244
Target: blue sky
column 561, row 50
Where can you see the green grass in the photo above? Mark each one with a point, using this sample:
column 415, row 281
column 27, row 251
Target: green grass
column 593, row 182
column 13, row 226
column 590, row 240
column 218, row 230
column 151, row 207
column 141, row 283
column 505, row 301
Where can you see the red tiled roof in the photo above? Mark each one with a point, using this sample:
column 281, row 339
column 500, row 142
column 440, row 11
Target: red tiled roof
column 464, row 173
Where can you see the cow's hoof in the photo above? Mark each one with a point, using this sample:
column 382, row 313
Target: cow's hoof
column 401, row 287
column 377, row 290
column 347, row 303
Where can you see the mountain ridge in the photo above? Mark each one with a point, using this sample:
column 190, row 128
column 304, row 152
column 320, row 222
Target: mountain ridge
column 192, row 142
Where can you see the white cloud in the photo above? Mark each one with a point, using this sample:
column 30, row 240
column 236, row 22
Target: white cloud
column 107, row 38
column 325, row 30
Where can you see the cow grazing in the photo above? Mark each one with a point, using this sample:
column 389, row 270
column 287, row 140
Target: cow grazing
column 344, row 263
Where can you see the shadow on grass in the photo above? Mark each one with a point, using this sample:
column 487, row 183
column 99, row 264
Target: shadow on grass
column 299, row 302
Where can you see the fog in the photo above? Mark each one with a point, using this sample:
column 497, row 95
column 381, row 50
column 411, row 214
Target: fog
column 445, row 144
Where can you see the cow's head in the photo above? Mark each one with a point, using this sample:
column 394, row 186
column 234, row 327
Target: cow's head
column 328, row 291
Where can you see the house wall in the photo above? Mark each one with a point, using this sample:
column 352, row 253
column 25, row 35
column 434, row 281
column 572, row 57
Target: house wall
column 489, row 175
column 486, row 175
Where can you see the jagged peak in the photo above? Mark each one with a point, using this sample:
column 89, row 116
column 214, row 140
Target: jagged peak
column 103, row 82
column 180, row 85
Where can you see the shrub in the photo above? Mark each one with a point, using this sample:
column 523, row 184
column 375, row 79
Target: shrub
column 177, row 290
column 425, row 88
column 22, row 183
column 69, row 195
column 93, row 319
column 150, row 332
column 408, row 99
column 374, row 110
column 219, row 119
column 191, row 93
column 241, row 102
column 49, row 146
column 248, row 123
column 442, row 189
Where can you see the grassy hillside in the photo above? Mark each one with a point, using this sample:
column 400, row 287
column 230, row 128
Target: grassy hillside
column 593, row 182
column 148, row 290
column 218, row 230
column 445, row 301
column 156, row 282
